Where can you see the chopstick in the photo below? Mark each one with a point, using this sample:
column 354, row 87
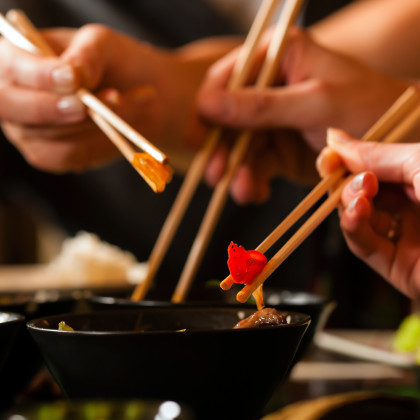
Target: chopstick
column 289, row 13
column 238, row 78
column 20, row 31
column 400, row 118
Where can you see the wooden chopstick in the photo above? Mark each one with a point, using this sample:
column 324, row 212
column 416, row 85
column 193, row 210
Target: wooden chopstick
column 239, row 76
column 389, row 119
column 20, row 31
column 401, row 110
column 289, row 14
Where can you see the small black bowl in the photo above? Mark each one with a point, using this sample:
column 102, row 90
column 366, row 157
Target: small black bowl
column 189, row 355
column 10, row 323
column 25, row 360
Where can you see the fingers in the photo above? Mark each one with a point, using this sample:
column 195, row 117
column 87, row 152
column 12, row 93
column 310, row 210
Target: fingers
column 397, row 163
column 25, row 69
column 293, row 106
column 39, row 107
column 327, row 161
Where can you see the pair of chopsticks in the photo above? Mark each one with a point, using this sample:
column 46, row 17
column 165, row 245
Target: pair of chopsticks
column 154, row 168
column 239, row 77
column 391, row 127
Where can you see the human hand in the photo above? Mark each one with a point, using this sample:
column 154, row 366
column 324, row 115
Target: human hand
column 314, row 89
column 381, row 227
column 43, row 117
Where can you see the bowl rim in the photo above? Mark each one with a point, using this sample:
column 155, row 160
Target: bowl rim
column 15, row 317
column 31, row 325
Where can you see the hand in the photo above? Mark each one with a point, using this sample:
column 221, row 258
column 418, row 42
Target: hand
column 382, row 228
column 315, row 88
column 45, row 120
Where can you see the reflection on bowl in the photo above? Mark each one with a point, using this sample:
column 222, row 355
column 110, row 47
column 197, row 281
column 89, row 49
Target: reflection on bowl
column 190, row 355
column 10, row 323
column 100, row 409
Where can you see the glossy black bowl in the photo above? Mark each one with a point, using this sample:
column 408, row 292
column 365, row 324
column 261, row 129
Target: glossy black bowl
column 10, row 323
column 314, row 305
column 190, row 355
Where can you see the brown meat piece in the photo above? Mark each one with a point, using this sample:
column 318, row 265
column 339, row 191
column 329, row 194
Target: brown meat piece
column 266, row 317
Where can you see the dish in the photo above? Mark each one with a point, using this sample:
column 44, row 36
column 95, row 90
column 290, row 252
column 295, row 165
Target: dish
column 36, row 278
column 10, row 323
column 372, row 345
column 24, row 359
column 190, row 355
column 316, row 306
column 350, row 406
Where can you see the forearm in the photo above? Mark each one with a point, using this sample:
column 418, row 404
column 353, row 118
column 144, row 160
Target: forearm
column 385, row 34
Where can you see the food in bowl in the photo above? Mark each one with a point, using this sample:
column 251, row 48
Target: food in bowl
column 141, row 353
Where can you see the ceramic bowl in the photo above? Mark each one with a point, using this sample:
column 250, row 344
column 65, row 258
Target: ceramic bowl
column 189, row 355
column 10, row 323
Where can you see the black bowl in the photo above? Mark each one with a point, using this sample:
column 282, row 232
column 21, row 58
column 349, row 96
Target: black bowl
column 10, row 323
column 314, row 305
column 146, row 353
column 25, row 360
column 318, row 307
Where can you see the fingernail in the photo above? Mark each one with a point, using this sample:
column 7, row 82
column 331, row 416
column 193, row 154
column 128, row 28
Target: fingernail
column 64, row 79
column 353, row 204
column 357, row 182
column 71, row 106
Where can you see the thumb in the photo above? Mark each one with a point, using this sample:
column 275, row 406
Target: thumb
column 397, row 163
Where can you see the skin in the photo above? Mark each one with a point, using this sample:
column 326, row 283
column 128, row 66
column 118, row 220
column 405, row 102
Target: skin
column 315, row 88
column 368, row 211
column 153, row 91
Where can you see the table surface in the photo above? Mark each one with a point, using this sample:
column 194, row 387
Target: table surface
column 323, row 373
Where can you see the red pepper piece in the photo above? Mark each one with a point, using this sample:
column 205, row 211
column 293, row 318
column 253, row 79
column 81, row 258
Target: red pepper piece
column 244, row 265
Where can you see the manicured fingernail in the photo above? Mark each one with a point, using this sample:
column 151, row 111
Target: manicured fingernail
column 64, row 79
column 352, row 205
column 71, row 106
column 357, row 182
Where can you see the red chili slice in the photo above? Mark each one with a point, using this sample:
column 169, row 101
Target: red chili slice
column 244, row 265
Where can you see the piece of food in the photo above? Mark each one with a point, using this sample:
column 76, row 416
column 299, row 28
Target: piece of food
column 407, row 337
column 62, row 326
column 266, row 317
column 155, row 173
column 86, row 260
column 244, row 265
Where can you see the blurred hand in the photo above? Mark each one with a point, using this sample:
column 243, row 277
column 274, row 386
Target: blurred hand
column 43, row 117
column 314, row 89
column 382, row 227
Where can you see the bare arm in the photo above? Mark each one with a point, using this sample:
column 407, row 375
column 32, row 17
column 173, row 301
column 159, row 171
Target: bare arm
column 385, row 34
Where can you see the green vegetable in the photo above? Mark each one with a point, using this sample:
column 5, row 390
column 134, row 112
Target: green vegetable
column 62, row 326
column 407, row 338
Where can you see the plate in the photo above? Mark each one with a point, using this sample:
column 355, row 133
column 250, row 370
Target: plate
column 372, row 345
column 35, row 277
